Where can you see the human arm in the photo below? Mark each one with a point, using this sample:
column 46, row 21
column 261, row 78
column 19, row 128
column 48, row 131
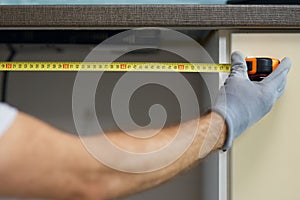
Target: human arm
column 48, row 163
column 44, row 162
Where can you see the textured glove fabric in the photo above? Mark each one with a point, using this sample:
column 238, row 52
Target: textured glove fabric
column 243, row 102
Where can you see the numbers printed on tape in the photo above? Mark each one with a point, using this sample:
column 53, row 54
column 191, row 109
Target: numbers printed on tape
column 180, row 67
column 114, row 66
column 8, row 66
column 66, row 66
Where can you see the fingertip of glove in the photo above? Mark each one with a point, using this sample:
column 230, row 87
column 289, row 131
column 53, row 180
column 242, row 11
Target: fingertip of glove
column 237, row 56
column 238, row 63
column 286, row 63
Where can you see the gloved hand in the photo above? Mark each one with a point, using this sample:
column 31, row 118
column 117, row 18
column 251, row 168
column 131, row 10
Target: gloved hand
column 243, row 102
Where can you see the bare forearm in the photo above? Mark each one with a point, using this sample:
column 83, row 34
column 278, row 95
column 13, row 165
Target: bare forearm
column 36, row 161
column 211, row 129
column 46, row 163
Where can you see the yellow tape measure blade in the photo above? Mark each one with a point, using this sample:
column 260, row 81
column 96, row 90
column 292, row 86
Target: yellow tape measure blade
column 114, row 66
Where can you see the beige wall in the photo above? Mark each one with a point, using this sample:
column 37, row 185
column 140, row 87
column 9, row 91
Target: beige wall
column 266, row 159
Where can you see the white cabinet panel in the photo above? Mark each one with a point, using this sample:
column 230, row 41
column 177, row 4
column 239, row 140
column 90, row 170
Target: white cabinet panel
column 266, row 159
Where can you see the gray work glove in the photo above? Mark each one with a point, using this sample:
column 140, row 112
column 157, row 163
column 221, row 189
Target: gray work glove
column 243, row 102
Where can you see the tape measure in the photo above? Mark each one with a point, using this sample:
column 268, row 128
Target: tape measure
column 258, row 68
column 114, row 66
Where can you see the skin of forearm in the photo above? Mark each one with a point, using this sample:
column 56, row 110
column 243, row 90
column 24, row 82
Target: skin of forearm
column 44, row 162
column 36, row 161
column 212, row 129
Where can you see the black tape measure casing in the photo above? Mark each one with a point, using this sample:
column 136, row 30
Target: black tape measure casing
column 260, row 67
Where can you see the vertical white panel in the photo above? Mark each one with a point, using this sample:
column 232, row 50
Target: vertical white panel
column 224, row 57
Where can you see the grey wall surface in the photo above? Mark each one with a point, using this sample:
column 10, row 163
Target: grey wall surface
column 48, row 96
